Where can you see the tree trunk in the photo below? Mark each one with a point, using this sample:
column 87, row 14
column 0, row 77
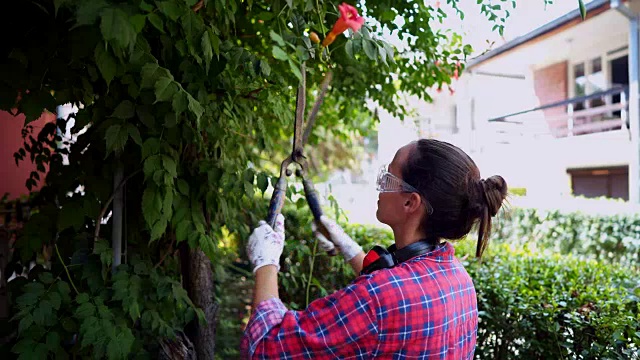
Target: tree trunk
column 198, row 280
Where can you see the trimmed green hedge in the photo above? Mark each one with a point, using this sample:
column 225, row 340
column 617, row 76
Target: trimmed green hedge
column 534, row 306
column 613, row 239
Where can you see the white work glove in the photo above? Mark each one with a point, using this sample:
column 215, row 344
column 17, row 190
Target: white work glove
column 266, row 244
column 339, row 238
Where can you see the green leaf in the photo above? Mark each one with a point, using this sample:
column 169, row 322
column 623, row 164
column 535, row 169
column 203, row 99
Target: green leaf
column 391, row 54
column 53, row 340
column 169, row 165
column 151, row 205
column 88, row 11
column 370, row 49
column 207, row 49
column 85, row 310
column 69, row 325
column 171, row 9
column 119, row 346
column 195, row 108
column 183, row 187
column 165, row 89
column 137, row 21
column 150, row 147
column 182, row 230
column 82, row 298
column 265, row 69
column 277, row 38
column 34, row 103
column 295, row 69
column 116, row 137
column 151, row 73
column 279, row 54
column 103, row 249
column 180, row 102
column 25, row 323
column 125, row 110
column 58, row 3
column 145, row 116
column 106, row 63
column 263, row 182
column 348, row 47
column 156, row 21
column 583, row 9
column 134, row 133
column 55, row 299
column 215, row 41
column 146, row 7
column 46, row 278
column 383, row 54
column 158, row 229
column 117, row 29
column 170, row 119
column 152, row 164
column 207, row 246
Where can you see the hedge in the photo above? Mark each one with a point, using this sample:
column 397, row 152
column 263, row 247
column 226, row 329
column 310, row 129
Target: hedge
column 613, row 239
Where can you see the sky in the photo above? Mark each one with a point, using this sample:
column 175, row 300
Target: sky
column 527, row 16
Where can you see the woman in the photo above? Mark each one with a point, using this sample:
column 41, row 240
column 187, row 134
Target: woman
column 418, row 303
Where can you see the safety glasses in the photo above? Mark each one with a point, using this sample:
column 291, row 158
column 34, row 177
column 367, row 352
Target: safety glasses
column 387, row 182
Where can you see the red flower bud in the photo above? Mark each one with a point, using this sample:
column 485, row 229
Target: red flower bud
column 314, row 37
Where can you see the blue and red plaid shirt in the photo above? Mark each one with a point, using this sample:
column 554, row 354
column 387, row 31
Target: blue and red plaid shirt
column 424, row 308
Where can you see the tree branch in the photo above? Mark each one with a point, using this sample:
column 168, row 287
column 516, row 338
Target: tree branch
column 199, row 5
column 173, row 239
column 96, row 233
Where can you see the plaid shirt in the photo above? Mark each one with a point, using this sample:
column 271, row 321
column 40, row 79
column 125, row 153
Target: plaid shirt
column 424, row 308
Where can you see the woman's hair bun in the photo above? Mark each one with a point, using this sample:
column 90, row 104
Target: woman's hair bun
column 494, row 191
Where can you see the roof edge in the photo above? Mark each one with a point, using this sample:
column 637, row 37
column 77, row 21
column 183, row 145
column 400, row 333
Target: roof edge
column 548, row 27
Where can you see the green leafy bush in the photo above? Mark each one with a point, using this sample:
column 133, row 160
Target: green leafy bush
column 97, row 314
column 613, row 239
column 534, row 306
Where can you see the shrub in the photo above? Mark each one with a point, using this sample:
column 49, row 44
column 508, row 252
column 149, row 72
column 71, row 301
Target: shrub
column 612, row 239
column 534, row 306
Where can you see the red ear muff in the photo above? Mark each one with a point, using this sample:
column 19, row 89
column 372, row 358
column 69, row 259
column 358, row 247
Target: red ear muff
column 380, row 258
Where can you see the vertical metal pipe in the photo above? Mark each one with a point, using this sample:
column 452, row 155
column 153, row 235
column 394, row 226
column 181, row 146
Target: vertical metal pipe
column 118, row 207
column 634, row 111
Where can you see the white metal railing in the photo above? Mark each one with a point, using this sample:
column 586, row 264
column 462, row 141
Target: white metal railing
column 611, row 115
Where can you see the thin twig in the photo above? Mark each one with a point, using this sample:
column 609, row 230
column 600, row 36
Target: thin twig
column 165, row 254
column 66, row 270
column 313, row 261
column 243, row 135
column 96, row 233
column 198, row 6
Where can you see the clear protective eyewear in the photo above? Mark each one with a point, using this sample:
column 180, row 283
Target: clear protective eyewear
column 387, row 182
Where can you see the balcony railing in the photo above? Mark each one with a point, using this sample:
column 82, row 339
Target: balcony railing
column 602, row 111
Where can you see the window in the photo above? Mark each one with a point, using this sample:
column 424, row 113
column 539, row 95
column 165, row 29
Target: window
column 611, row 182
column 588, row 78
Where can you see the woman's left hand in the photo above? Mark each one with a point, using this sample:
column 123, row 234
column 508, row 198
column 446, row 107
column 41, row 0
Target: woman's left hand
column 266, row 244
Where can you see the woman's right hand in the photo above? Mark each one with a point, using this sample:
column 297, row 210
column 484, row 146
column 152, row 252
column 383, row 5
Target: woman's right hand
column 349, row 248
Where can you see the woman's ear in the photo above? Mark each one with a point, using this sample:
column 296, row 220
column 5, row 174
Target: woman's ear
column 413, row 202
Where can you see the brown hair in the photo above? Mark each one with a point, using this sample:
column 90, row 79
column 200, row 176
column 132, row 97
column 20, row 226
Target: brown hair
column 450, row 181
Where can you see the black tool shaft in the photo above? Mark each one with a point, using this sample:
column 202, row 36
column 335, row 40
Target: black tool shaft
column 277, row 201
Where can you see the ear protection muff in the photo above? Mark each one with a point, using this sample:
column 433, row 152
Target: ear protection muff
column 380, row 258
